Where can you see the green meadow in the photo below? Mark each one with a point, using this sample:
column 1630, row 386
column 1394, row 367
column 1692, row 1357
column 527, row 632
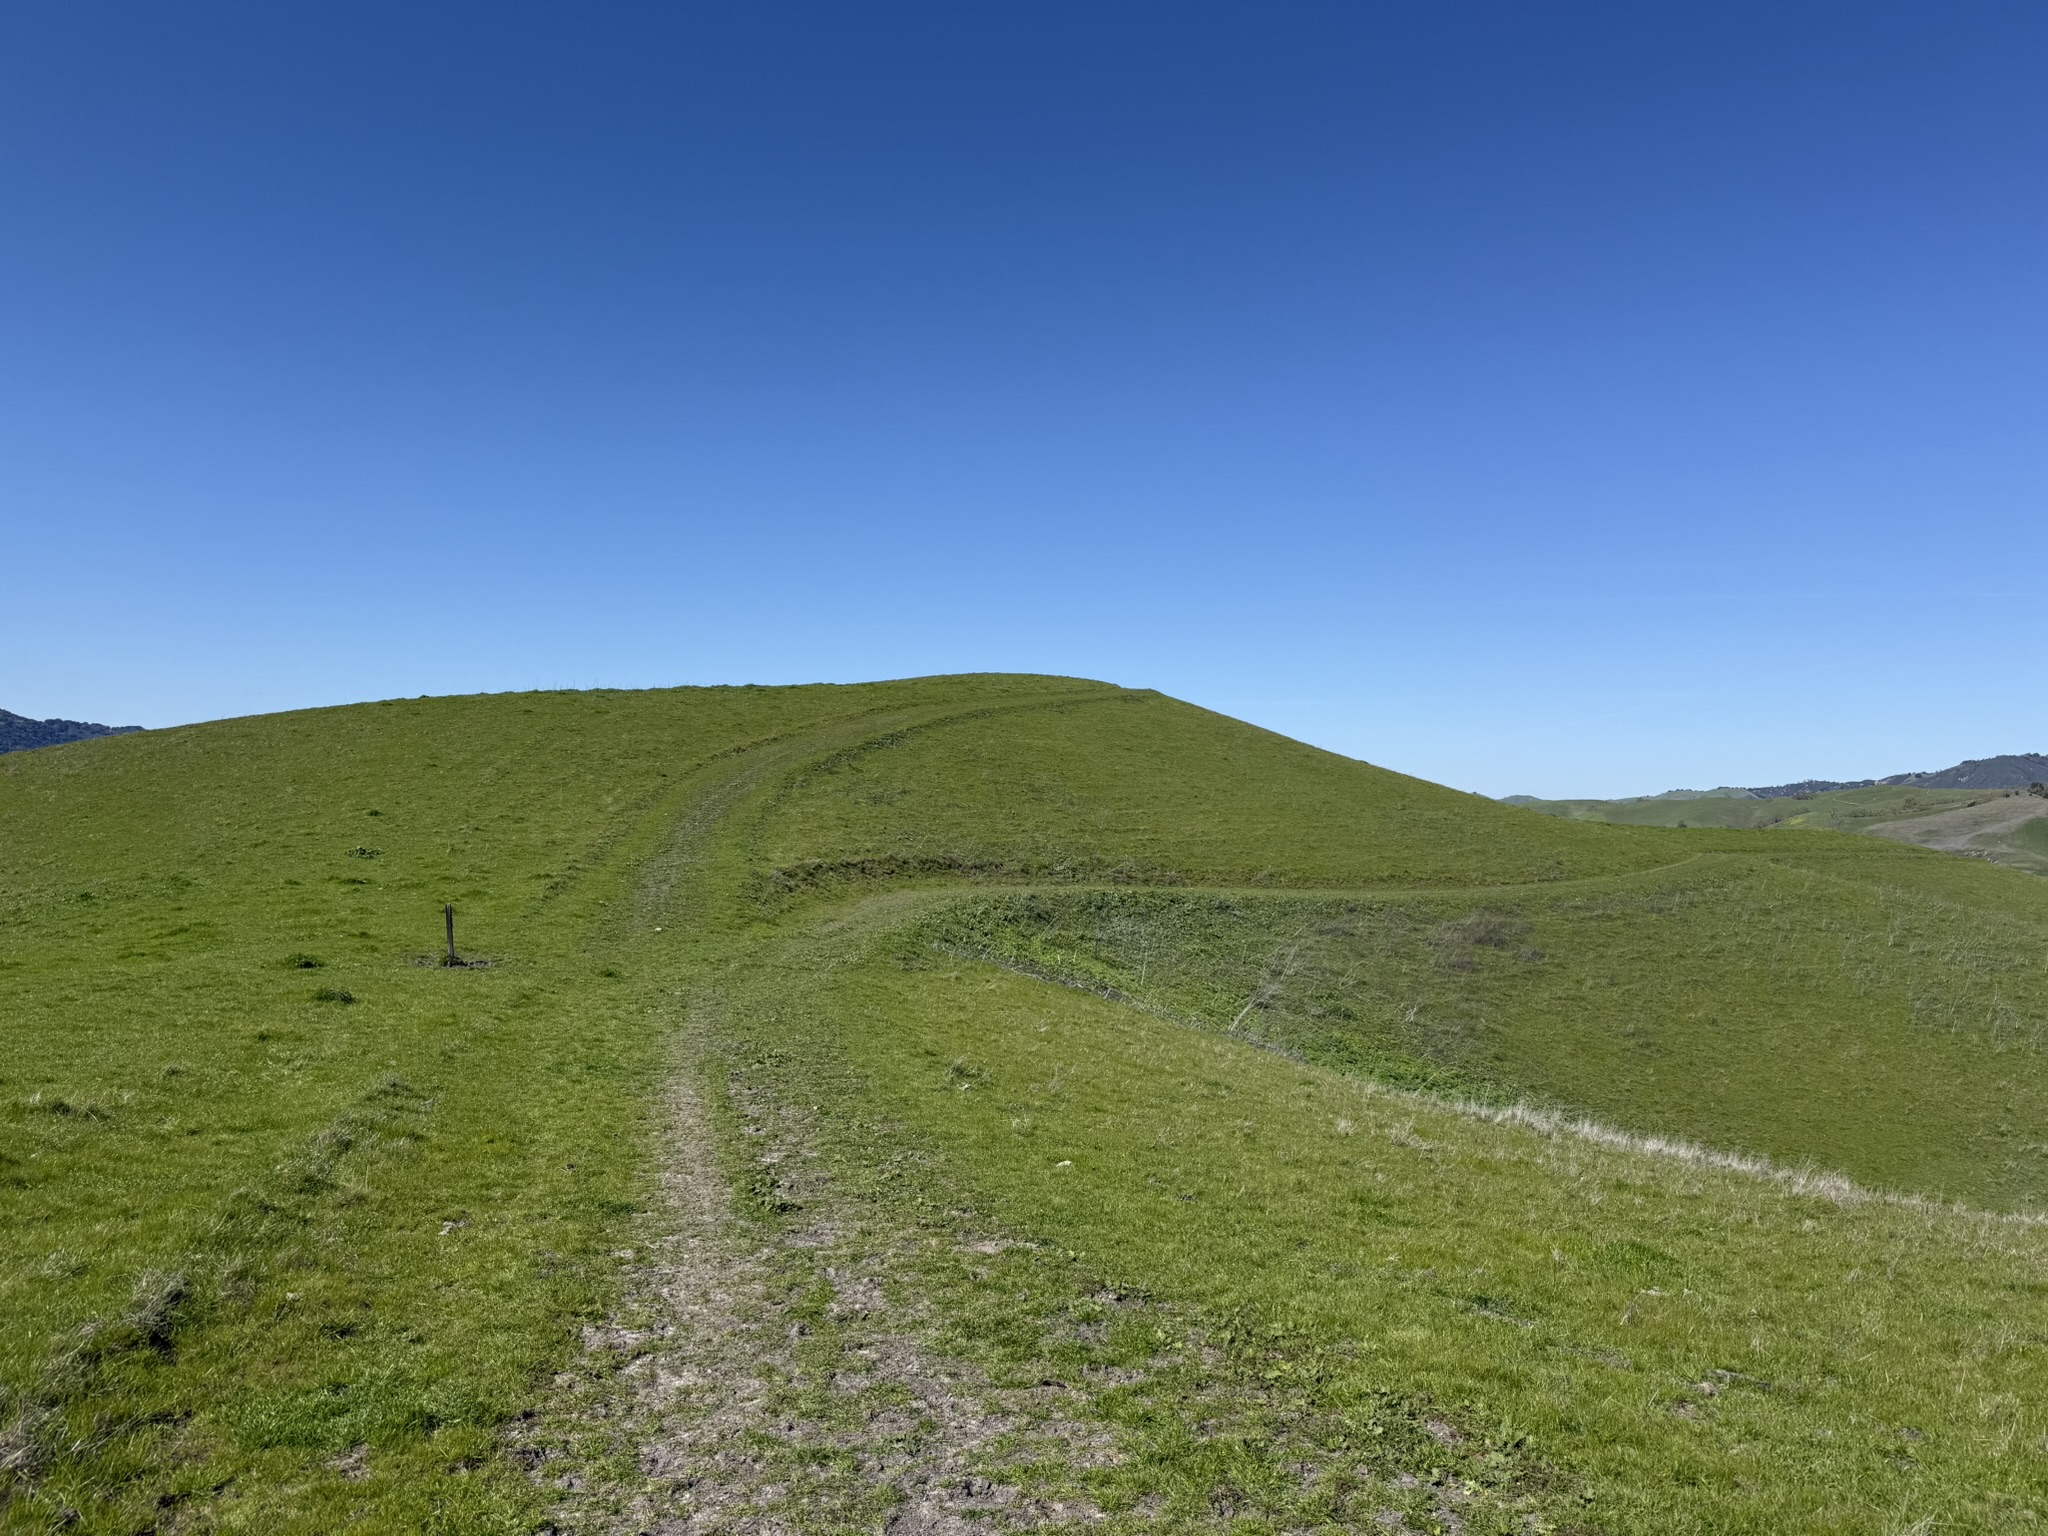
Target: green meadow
column 1005, row 1100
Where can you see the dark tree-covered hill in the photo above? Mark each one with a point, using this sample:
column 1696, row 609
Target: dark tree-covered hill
column 18, row 733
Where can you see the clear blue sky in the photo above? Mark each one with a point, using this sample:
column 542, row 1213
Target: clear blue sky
column 1557, row 398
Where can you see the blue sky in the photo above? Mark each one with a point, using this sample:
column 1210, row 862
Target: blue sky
column 1561, row 399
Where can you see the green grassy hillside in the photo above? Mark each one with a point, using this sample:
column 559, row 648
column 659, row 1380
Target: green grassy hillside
column 1833, row 1018
column 995, row 1098
column 1139, row 788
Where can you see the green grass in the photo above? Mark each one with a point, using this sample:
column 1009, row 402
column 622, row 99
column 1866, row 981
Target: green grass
column 376, row 1222
column 1138, row 788
column 1613, row 1341
column 1835, row 1017
column 295, row 1229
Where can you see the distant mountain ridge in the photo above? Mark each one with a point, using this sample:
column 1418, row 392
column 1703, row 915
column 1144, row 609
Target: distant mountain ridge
column 2014, row 770
column 18, row 733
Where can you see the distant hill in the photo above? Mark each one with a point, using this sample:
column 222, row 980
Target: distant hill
column 2014, row 771
column 18, row 733
column 1725, row 792
column 1806, row 787
column 1980, row 809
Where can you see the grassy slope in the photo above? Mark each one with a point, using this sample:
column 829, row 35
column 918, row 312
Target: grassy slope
column 390, row 1214
column 1842, row 1018
column 331, row 1223
column 1647, row 1345
column 1145, row 789
column 1833, row 999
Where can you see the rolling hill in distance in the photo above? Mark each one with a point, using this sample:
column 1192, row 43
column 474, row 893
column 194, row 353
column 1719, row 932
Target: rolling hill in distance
column 2018, row 770
column 1989, row 808
column 1012, row 1101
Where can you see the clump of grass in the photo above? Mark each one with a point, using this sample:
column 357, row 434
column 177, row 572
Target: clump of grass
column 961, row 1074
column 151, row 1321
column 62, row 1108
column 1488, row 930
column 333, row 995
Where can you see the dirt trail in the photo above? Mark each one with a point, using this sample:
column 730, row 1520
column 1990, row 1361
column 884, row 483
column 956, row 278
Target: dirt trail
column 744, row 1410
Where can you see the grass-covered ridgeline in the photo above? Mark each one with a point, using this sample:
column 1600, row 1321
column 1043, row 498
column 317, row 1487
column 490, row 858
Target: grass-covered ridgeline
column 1137, row 788
column 297, row 1228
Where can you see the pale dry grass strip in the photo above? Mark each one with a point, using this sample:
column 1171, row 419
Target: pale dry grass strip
column 1835, row 1187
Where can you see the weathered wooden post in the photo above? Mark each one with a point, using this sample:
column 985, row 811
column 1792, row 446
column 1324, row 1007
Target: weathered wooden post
column 449, row 911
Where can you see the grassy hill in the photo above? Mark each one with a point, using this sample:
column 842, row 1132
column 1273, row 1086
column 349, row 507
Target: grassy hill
column 1010, row 1100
